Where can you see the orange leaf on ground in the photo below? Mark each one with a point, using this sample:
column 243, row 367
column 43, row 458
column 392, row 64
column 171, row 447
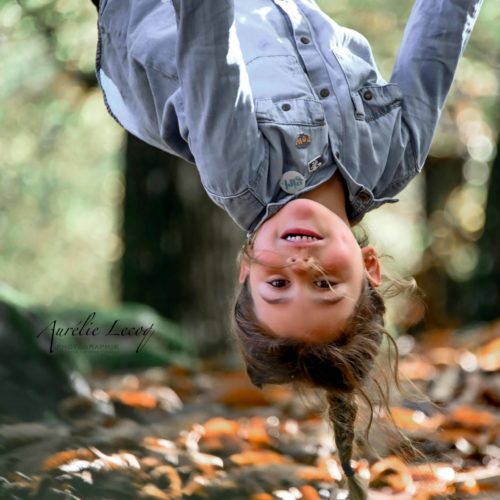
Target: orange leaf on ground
column 208, row 464
column 309, row 493
column 136, row 399
column 433, row 480
column 259, row 458
column 391, row 471
column 235, row 389
column 218, row 426
column 411, row 420
column 443, row 356
column 472, row 436
column 416, row 369
column 166, row 474
column 152, row 492
column 63, row 457
column 255, row 432
column 470, row 487
column 242, row 397
column 437, row 338
column 469, row 417
column 316, row 474
column 221, row 434
column 488, row 356
column 157, row 444
column 261, row 496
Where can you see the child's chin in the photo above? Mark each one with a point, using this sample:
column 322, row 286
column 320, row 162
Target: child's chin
column 302, row 208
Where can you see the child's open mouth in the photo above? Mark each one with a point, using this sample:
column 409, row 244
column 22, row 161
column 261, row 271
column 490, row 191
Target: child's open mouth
column 297, row 234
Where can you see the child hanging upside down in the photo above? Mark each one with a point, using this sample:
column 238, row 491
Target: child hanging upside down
column 296, row 135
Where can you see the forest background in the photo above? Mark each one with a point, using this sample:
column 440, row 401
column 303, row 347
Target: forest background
column 90, row 217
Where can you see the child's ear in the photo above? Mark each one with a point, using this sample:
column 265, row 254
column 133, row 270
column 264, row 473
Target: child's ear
column 244, row 269
column 372, row 265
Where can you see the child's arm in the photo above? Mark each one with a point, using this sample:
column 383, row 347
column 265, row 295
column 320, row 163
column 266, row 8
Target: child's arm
column 433, row 42
column 223, row 133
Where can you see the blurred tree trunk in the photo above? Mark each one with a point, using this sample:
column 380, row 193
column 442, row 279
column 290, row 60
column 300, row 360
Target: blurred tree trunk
column 442, row 175
column 480, row 299
column 180, row 248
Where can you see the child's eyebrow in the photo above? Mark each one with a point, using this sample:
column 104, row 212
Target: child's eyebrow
column 319, row 300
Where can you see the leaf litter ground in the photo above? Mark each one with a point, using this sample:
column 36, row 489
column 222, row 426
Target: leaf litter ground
column 169, row 433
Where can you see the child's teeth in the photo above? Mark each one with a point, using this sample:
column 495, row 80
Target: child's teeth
column 301, row 238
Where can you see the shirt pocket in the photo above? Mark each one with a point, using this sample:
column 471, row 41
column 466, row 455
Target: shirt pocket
column 378, row 133
column 374, row 101
column 278, row 77
column 297, row 134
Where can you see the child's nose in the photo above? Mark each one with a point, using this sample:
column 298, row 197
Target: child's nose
column 302, row 263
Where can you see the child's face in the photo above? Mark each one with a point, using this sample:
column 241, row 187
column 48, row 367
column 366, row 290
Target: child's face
column 292, row 297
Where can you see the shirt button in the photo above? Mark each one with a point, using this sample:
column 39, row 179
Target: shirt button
column 305, row 40
column 367, row 95
column 286, row 107
column 324, row 93
column 364, row 196
column 292, row 182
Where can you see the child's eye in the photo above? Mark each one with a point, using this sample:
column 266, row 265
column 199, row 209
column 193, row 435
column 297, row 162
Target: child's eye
column 325, row 284
column 278, row 283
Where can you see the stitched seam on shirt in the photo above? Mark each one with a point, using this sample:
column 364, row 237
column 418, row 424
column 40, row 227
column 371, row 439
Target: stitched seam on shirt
column 252, row 183
column 387, row 109
column 228, row 197
column 147, row 64
column 294, row 123
column 287, row 56
column 98, row 69
column 399, row 184
column 258, row 174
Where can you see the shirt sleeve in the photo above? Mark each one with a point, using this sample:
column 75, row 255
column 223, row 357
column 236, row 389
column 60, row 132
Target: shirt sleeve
column 434, row 39
column 224, row 137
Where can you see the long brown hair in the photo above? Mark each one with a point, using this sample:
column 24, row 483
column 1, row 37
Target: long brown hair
column 340, row 367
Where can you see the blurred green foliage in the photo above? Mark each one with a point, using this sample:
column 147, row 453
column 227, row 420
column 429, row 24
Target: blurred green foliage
column 60, row 175
column 61, row 183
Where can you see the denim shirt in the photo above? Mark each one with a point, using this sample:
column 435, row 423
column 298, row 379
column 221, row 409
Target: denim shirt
column 269, row 98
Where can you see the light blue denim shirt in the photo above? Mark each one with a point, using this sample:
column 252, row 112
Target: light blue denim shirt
column 269, row 98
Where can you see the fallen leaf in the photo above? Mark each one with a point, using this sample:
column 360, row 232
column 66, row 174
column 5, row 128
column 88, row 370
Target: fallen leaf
column 63, row 457
column 391, row 471
column 414, row 420
column 432, row 480
column 159, row 445
column 166, row 476
column 255, row 432
column 259, row 458
column 152, row 492
column 469, row 417
column 314, row 474
column 220, row 426
column 261, row 496
column 309, row 493
column 136, row 399
column 416, row 369
column 443, row 356
column 241, row 397
column 470, row 487
column 488, row 356
column 452, row 436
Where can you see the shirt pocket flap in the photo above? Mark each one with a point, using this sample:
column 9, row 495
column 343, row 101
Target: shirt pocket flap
column 290, row 112
column 372, row 102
